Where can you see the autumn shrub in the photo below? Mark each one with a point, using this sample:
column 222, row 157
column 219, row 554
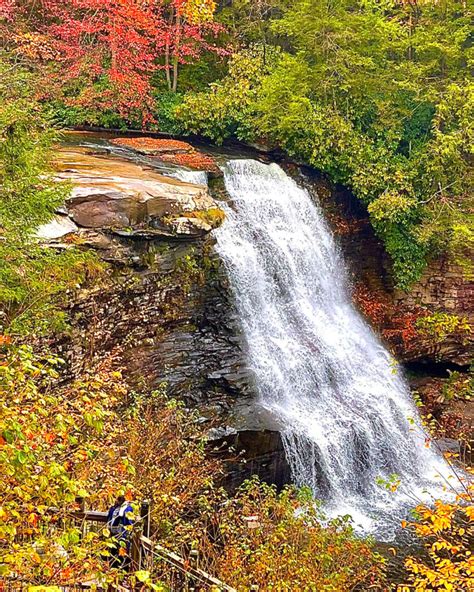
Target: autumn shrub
column 280, row 541
column 57, row 444
column 212, row 216
column 438, row 326
column 166, row 445
column 447, row 532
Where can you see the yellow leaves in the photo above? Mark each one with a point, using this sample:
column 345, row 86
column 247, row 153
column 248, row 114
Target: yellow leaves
column 448, row 535
column 199, row 11
column 46, row 426
column 469, row 511
column 441, row 523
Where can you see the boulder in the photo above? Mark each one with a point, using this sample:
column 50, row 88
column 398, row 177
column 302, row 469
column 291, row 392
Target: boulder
column 58, row 227
column 109, row 192
column 190, row 226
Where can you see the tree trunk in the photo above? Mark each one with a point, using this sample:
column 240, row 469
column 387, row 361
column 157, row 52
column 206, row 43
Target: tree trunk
column 176, row 51
column 167, row 64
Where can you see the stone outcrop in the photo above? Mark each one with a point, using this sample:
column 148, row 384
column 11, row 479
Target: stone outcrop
column 164, row 305
column 163, row 310
column 443, row 287
column 59, row 226
column 111, row 193
column 254, row 452
column 172, row 151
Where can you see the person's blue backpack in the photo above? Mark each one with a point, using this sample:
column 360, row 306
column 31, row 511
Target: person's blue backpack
column 119, row 518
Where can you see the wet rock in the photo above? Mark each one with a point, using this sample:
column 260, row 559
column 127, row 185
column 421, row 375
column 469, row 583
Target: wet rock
column 218, row 434
column 252, row 453
column 448, row 445
column 189, row 226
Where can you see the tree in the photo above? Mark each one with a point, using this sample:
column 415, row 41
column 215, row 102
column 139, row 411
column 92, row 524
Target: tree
column 102, row 54
column 377, row 95
column 32, row 278
column 187, row 22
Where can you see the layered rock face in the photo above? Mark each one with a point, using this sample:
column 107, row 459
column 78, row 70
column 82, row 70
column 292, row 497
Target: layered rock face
column 163, row 310
column 165, row 303
column 116, row 194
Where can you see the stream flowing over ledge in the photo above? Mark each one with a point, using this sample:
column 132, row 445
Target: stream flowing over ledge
column 167, row 309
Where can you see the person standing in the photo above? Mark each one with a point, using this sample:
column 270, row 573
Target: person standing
column 119, row 522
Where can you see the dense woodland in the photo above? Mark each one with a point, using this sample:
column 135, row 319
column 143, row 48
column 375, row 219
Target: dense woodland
column 376, row 94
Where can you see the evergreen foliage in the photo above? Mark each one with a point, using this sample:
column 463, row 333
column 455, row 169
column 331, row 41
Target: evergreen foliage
column 377, row 95
column 32, row 278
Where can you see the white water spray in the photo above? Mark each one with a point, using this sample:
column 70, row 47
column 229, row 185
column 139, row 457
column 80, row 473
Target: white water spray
column 319, row 368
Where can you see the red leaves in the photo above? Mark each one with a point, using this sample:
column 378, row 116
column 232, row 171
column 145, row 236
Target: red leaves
column 194, row 160
column 7, row 8
column 396, row 324
column 373, row 305
column 110, row 47
column 154, row 145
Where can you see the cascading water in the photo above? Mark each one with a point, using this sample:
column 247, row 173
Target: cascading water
column 319, row 369
column 197, row 177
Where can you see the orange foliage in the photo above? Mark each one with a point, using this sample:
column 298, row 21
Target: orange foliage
column 403, row 330
column 447, row 530
column 173, row 151
column 372, row 305
column 343, row 226
column 395, row 323
column 153, row 144
column 194, row 160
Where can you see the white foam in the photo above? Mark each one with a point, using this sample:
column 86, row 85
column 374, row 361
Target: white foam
column 319, row 367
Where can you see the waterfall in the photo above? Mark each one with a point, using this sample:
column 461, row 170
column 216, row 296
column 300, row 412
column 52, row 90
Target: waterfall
column 197, row 177
column 345, row 411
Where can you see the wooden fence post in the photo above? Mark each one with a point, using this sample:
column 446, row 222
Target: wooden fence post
column 81, row 502
column 194, row 563
column 146, row 518
column 136, row 554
